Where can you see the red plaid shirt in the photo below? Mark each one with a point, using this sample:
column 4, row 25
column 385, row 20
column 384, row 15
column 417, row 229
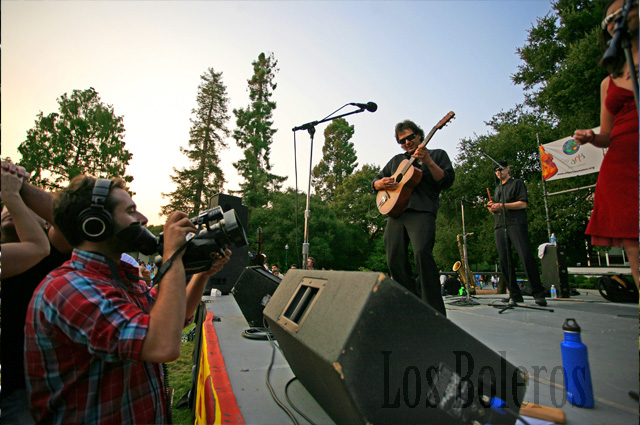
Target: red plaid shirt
column 84, row 336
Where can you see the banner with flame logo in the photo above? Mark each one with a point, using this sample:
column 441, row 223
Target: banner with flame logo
column 567, row 158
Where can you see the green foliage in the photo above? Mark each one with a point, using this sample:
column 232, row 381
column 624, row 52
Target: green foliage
column 339, row 159
column 561, row 79
column 560, row 72
column 196, row 184
column 155, row 230
column 354, row 201
column 329, row 238
column 84, row 137
column 180, row 377
column 254, row 135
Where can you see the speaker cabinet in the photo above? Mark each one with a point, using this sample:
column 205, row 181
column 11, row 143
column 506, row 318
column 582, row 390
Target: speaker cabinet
column 252, row 292
column 554, row 270
column 227, row 277
column 370, row 352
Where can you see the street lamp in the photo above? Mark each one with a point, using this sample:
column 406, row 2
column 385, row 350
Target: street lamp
column 286, row 257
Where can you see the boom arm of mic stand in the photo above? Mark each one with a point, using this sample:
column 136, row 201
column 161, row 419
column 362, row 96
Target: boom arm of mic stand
column 314, row 123
column 311, row 127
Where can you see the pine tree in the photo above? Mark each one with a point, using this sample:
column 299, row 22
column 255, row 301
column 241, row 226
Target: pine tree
column 254, row 135
column 84, row 137
column 338, row 159
column 204, row 178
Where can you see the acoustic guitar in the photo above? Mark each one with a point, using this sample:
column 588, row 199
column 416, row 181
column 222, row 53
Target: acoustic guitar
column 407, row 175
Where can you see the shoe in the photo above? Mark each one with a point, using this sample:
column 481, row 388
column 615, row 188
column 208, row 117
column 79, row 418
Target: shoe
column 541, row 302
column 512, row 302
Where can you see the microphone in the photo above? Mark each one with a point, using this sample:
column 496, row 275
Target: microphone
column 465, row 201
column 609, row 57
column 371, row 107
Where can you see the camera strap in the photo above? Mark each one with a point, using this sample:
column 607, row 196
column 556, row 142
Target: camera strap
column 163, row 269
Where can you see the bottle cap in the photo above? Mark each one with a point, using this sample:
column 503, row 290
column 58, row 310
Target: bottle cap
column 570, row 325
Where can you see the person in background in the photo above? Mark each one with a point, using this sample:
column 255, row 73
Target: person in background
column 614, row 219
column 29, row 243
column 494, row 281
column 311, row 263
column 17, row 289
column 512, row 229
column 95, row 334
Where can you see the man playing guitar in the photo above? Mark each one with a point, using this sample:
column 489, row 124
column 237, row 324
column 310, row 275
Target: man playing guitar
column 416, row 222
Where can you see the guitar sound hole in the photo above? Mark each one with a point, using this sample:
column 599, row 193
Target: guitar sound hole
column 399, row 178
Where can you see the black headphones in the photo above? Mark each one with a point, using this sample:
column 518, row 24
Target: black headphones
column 96, row 222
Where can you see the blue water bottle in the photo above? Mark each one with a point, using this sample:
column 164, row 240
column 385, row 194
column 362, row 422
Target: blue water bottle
column 575, row 361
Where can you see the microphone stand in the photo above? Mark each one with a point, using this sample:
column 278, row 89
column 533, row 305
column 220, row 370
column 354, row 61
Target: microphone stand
column 622, row 38
column 311, row 128
column 503, row 220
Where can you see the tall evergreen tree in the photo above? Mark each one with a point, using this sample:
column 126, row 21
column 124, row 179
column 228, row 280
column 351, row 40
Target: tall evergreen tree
column 254, row 135
column 84, row 137
column 204, row 178
column 338, row 159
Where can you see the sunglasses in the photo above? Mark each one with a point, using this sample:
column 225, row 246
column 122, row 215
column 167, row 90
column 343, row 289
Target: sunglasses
column 409, row 138
column 613, row 15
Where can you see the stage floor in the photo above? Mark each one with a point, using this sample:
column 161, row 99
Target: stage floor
column 530, row 339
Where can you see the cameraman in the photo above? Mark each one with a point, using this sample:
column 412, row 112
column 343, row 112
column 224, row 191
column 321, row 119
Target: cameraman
column 95, row 335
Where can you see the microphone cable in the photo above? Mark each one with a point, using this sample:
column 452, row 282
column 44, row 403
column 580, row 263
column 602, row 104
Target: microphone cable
column 286, row 394
column 273, row 394
column 259, row 334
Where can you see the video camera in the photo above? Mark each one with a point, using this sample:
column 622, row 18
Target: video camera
column 216, row 230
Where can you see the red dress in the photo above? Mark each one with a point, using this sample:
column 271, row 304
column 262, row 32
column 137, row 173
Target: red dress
column 615, row 209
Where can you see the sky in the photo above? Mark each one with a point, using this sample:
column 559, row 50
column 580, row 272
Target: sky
column 416, row 60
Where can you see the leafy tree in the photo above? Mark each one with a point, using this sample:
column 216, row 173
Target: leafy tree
column 560, row 72
column 338, row 159
column 84, row 137
column 513, row 137
column 204, row 178
column 561, row 79
column 354, row 201
column 254, row 135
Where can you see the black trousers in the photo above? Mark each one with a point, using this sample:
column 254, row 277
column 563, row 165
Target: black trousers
column 419, row 229
column 518, row 237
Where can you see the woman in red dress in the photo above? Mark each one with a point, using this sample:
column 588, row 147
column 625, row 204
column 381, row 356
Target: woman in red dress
column 614, row 220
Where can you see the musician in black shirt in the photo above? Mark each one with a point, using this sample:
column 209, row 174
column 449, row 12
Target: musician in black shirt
column 417, row 221
column 512, row 212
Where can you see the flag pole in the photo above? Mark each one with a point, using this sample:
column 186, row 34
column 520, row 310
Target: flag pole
column 544, row 190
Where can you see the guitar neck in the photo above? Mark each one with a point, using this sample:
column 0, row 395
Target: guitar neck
column 424, row 143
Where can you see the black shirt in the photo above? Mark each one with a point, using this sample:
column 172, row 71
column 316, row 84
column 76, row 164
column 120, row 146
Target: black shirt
column 514, row 190
column 16, row 295
column 426, row 195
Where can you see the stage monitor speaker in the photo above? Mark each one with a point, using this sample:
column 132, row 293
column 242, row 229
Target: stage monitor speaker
column 252, row 292
column 225, row 279
column 554, row 270
column 370, row 352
